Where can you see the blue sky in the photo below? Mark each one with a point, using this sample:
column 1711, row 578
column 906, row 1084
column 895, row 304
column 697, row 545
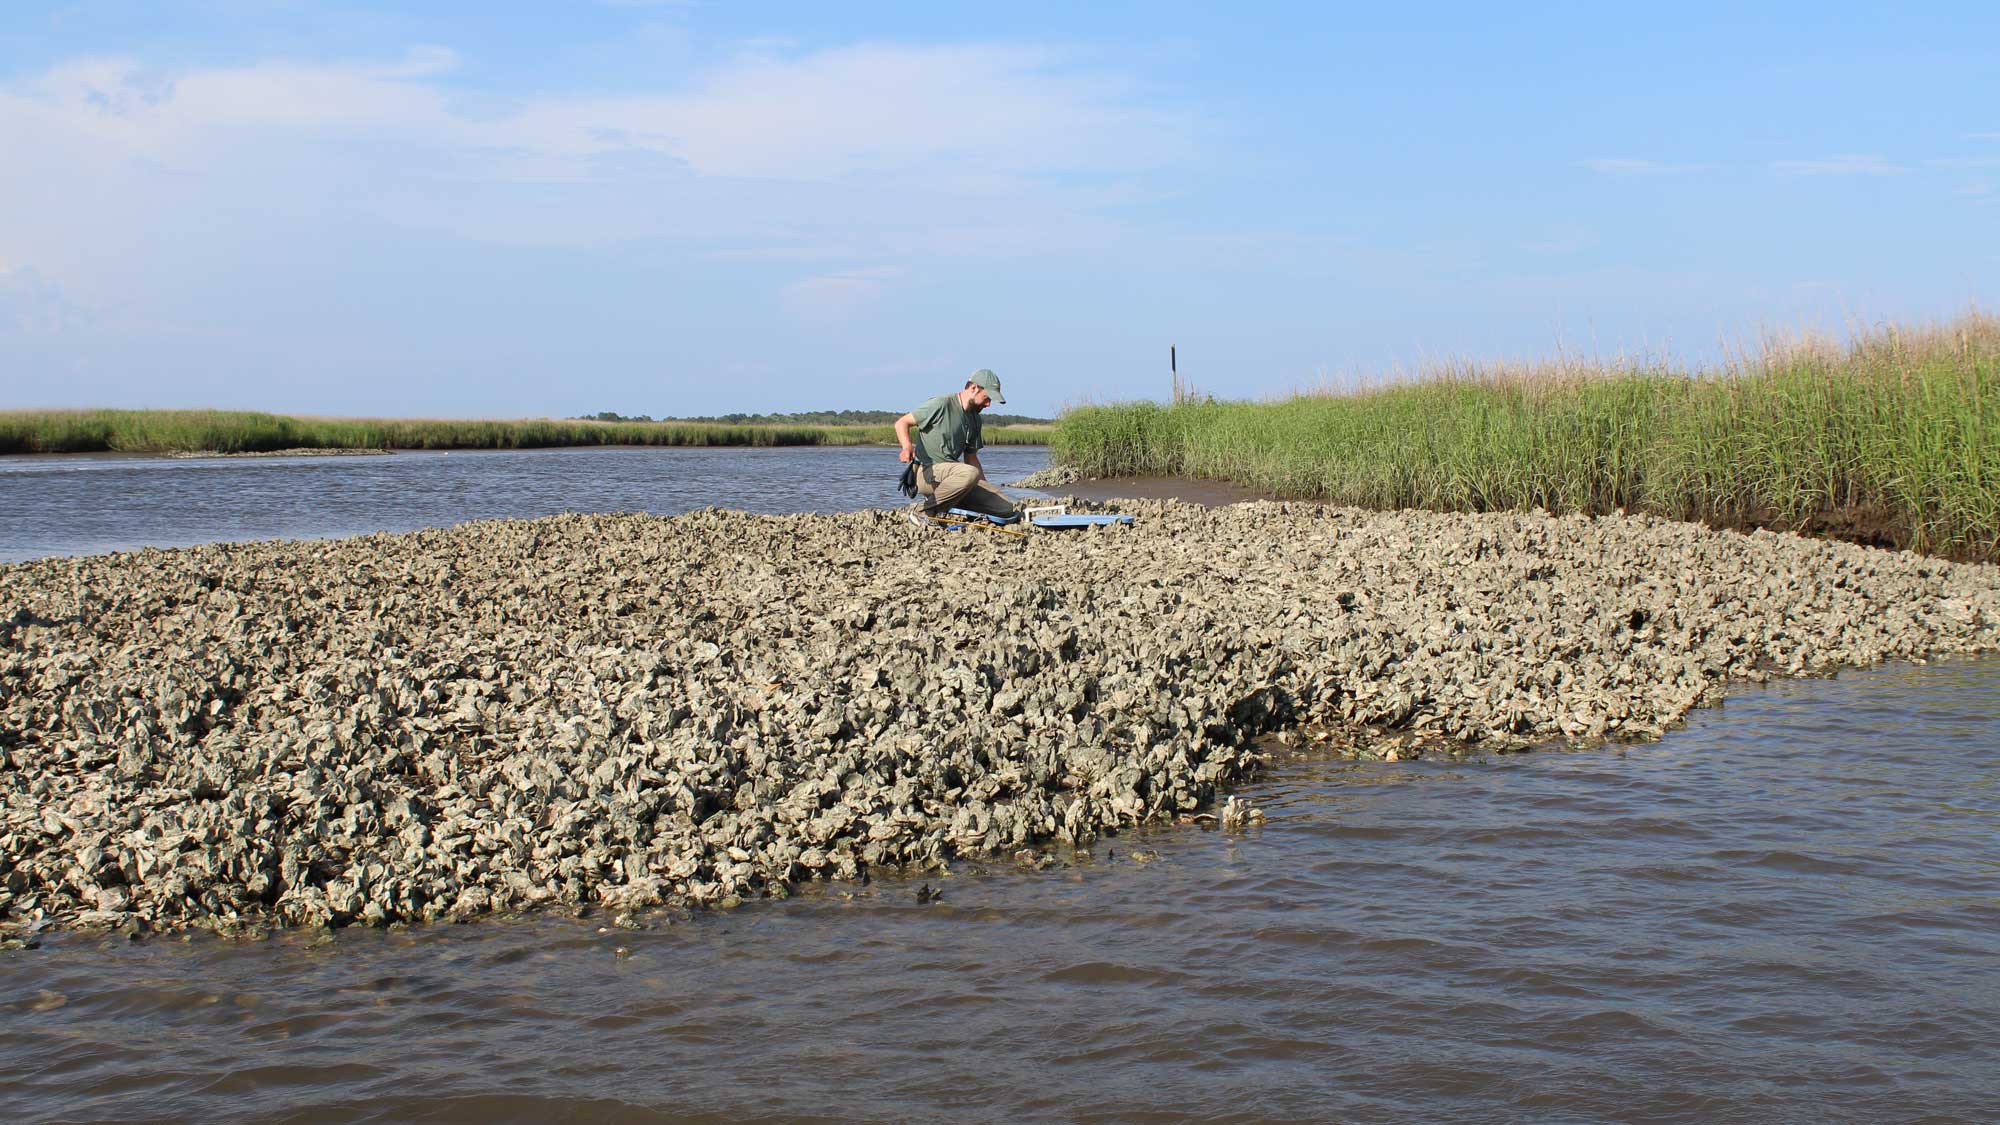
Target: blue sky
column 513, row 209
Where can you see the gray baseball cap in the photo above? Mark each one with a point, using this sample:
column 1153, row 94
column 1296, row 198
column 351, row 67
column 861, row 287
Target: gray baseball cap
column 987, row 381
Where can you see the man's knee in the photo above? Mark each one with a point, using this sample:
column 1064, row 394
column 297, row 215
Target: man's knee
column 951, row 479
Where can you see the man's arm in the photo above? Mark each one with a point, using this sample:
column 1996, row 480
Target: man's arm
column 977, row 443
column 903, row 425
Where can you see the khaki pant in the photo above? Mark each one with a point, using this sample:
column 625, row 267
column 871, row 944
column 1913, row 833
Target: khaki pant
column 955, row 484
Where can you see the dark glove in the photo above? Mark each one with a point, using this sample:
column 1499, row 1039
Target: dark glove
column 907, row 484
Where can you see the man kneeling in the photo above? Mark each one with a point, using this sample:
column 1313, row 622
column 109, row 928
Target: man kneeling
column 945, row 446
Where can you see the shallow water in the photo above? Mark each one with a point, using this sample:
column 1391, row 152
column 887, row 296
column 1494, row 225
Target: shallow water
column 78, row 505
column 1785, row 912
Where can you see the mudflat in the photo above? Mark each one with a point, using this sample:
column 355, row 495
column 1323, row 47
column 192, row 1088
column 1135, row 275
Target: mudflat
column 632, row 710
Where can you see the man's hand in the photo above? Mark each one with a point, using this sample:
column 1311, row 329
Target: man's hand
column 906, row 453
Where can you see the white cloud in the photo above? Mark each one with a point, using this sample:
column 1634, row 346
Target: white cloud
column 952, row 116
column 1627, row 166
column 957, row 117
column 32, row 305
column 832, row 298
column 1850, row 164
column 126, row 181
column 101, row 111
column 421, row 61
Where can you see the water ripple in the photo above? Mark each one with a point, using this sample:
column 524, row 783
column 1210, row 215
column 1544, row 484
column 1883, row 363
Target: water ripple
column 1786, row 911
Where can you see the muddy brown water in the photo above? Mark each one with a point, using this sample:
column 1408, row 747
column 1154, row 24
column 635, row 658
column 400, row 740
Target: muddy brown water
column 1786, row 911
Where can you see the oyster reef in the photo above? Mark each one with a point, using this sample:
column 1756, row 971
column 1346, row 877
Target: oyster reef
column 633, row 710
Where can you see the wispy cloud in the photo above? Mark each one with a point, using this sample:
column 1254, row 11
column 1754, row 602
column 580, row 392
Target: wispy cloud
column 1632, row 166
column 870, row 153
column 832, row 298
column 1959, row 162
column 1982, row 136
column 1850, row 164
column 949, row 115
column 32, row 305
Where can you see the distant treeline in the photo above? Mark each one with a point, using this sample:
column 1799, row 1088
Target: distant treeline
column 810, row 418
column 236, row 431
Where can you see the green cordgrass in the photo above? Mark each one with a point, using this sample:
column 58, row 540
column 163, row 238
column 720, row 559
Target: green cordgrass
column 1898, row 432
column 229, row 431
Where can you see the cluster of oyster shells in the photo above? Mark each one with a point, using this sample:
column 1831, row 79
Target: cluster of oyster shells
column 1055, row 476
column 628, row 710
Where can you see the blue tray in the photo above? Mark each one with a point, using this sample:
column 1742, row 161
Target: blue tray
column 1065, row 523
column 964, row 514
column 1049, row 523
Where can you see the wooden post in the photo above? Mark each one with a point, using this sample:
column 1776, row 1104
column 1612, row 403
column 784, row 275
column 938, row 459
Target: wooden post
column 1174, row 365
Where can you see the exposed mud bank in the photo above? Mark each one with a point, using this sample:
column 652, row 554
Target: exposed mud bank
column 625, row 710
column 301, row 451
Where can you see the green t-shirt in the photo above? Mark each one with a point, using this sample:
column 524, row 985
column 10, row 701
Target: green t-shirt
column 946, row 431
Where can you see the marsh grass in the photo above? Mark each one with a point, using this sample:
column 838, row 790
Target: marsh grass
column 1893, row 438
column 228, row 431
